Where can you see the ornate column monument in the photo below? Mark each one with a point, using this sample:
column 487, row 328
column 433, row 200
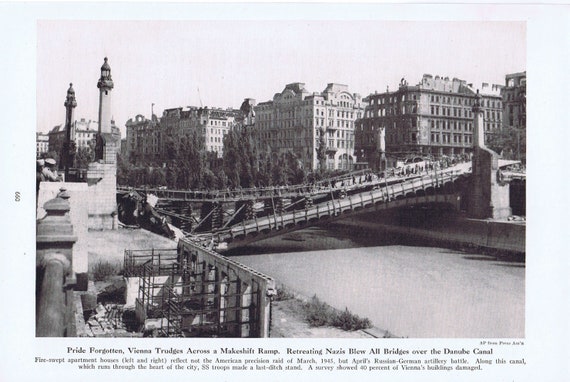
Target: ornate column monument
column 489, row 196
column 102, row 174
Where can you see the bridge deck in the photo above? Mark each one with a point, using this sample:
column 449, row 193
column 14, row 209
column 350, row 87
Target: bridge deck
column 420, row 190
column 355, row 195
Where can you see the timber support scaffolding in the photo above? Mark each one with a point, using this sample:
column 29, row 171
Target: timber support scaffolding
column 195, row 292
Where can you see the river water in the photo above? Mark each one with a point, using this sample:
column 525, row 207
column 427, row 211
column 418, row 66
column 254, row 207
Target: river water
column 411, row 291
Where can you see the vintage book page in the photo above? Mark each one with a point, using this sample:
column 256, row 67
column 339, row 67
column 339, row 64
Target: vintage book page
column 450, row 315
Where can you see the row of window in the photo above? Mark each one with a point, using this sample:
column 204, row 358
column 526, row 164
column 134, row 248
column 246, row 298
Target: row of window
column 434, row 98
column 448, row 125
column 391, row 99
column 90, row 134
column 446, row 138
column 218, row 131
column 340, row 144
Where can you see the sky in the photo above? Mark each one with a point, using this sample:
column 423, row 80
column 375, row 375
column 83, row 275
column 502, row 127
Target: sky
column 219, row 63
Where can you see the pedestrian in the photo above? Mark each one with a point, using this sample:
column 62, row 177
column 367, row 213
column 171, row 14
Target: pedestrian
column 49, row 171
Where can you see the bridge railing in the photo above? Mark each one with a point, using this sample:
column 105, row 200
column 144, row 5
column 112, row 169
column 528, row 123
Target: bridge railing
column 160, row 259
column 342, row 182
column 385, row 194
column 254, row 192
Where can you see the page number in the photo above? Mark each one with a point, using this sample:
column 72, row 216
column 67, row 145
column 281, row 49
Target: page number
column 17, row 196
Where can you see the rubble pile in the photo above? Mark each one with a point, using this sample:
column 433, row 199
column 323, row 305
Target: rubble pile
column 104, row 314
column 106, row 321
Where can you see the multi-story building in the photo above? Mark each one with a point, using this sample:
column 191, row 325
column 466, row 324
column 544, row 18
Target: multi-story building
column 42, row 144
column 216, row 123
column 212, row 123
column 148, row 139
column 514, row 100
column 295, row 119
column 83, row 133
column 56, row 137
column 433, row 117
column 144, row 139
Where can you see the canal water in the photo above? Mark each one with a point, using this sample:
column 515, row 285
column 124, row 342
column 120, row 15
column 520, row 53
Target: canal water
column 411, row 291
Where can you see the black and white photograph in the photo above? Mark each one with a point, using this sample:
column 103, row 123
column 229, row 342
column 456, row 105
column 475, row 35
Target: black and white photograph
column 230, row 186
column 239, row 189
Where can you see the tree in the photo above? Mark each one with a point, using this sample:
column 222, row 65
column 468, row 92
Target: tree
column 84, row 156
column 294, row 167
column 51, row 154
column 157, row 176
column 232, row 158
column 123, row 171
column 191, row 159
column 510, row 142
column 322, row 151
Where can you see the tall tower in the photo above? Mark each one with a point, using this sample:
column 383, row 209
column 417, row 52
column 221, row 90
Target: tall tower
column 102, row 174
column 105, row 85
column 105, row 148
column 68, row 145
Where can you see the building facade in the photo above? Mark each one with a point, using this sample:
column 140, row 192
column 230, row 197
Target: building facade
column 298, row 121
column 432, row 118
column 147, row 139
column 42, row 144
column 514, row 100
column 143, row 139
column 83, row 133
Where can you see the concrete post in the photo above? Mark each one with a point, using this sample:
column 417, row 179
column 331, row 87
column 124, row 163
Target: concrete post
column 55, row 278
column 51, row 316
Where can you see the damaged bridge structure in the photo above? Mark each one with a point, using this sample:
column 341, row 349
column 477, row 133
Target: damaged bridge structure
column 195, row 291
column 439, row 189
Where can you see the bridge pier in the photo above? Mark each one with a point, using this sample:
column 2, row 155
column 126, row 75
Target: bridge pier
column 187, row 225
column 211, row 215
column 245, row 210
column 273, row 205
column 489, row 196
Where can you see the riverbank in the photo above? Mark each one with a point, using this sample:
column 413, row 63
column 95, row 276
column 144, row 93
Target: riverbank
column 502, row 238
column 105, row 299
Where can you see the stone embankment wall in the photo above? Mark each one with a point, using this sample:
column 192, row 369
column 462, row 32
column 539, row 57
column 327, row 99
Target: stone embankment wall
column 501, row 236
column 491, row 234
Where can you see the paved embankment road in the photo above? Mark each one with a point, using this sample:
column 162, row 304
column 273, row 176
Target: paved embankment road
column 110, row 245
